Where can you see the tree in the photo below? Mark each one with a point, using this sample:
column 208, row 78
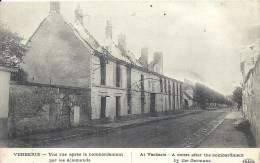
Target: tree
column 12, row 52
column 237, row 96
column 200, row 95
column 11, row 49
column 204, row 95
column 19, row 75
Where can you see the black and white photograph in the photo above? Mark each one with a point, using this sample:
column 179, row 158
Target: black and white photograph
column 130, row 74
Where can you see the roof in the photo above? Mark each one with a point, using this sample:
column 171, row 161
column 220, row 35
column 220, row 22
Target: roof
column 84, row 35
column 186, row 94
column 187, row 86
column 142, row 62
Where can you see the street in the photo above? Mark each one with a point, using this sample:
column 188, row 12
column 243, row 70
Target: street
column 175, row 133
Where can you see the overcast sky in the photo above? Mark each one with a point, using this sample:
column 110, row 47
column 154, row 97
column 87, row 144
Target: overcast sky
column 200, row 40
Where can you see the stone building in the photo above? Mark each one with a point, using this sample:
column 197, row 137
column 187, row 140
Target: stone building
column 250, row 69
column 102, row 83
column 187, row 90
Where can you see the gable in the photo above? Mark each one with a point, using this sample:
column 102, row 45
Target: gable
column 57, row 55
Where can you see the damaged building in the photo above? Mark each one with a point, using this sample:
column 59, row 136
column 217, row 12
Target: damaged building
column 87, row 82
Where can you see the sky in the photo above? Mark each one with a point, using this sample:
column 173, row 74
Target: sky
column 200, row 41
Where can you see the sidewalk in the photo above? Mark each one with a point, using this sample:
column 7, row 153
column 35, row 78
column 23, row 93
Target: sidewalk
column 56, row 137
column 229, row 134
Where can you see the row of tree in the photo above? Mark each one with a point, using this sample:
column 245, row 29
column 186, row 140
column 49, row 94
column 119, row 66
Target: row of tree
column 204, row 95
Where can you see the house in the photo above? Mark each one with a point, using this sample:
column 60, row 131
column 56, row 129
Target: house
column 188, row 91
column 119, row 85
column 251, row 88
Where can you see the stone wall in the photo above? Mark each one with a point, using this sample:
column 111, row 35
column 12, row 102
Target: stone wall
column 57, row 56
column 36, row 108
column 251, row 101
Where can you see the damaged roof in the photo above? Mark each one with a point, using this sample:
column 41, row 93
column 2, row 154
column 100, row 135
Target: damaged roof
column 87, row 39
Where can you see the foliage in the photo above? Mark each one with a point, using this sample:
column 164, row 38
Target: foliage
column 11, row 49
column 204, row 95
column 237, row 96
column 20, row 75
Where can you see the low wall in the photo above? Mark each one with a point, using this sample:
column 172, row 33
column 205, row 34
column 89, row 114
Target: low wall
column 36, row 108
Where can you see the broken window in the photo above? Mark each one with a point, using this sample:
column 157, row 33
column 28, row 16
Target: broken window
column 129, row 95
column 118, row 76
column 128, row 77
column 165, row 86
column 142, row 82
column 102, row 71
column 161, row 85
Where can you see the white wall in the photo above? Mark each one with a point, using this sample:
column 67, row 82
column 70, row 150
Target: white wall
column 4, row 93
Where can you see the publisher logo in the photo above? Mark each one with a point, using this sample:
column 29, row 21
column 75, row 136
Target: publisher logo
column 248, row 161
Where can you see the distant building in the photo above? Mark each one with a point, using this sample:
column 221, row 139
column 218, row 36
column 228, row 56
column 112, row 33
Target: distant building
column 188, row 92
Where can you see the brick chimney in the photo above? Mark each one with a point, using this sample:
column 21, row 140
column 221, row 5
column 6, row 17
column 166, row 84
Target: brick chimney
column 122, row 43
column 79, row 14
column 158, row 60
column 144, row 55
column 109, row 29
column 55, row 6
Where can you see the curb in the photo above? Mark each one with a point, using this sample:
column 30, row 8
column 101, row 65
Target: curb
column 207, row 134
column 92, row 133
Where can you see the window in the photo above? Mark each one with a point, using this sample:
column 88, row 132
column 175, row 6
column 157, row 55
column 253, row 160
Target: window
column 169, row 87
column 169, row 95
column 177, row 91
column 129, row 99
column 118, row 76
column 142, row 94
column 180, row 90
column 128, row 78
column 165, row 86
column 173, row 88
column 161, row 85
column 142, row 82
column 102, row 71
column 129, row 95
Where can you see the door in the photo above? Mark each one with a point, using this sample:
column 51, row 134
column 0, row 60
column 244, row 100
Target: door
column 76, row 116
column 117, row 107
column 152, row 104
column 103, row 107
column 186, row 104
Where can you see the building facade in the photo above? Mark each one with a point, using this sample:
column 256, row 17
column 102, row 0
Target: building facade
column 120, row 86
column 250, row 69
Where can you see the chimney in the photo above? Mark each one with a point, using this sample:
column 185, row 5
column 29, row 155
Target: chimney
column 122, row 43
column 79, row 14
column 55, row 6
column 109, row 30
column 158, row 59
column 144, row 55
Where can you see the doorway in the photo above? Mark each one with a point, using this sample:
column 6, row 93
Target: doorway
column 186, row 104
column 152, row 104
column 118, row 107
column 76, row 116
column 103, row 107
